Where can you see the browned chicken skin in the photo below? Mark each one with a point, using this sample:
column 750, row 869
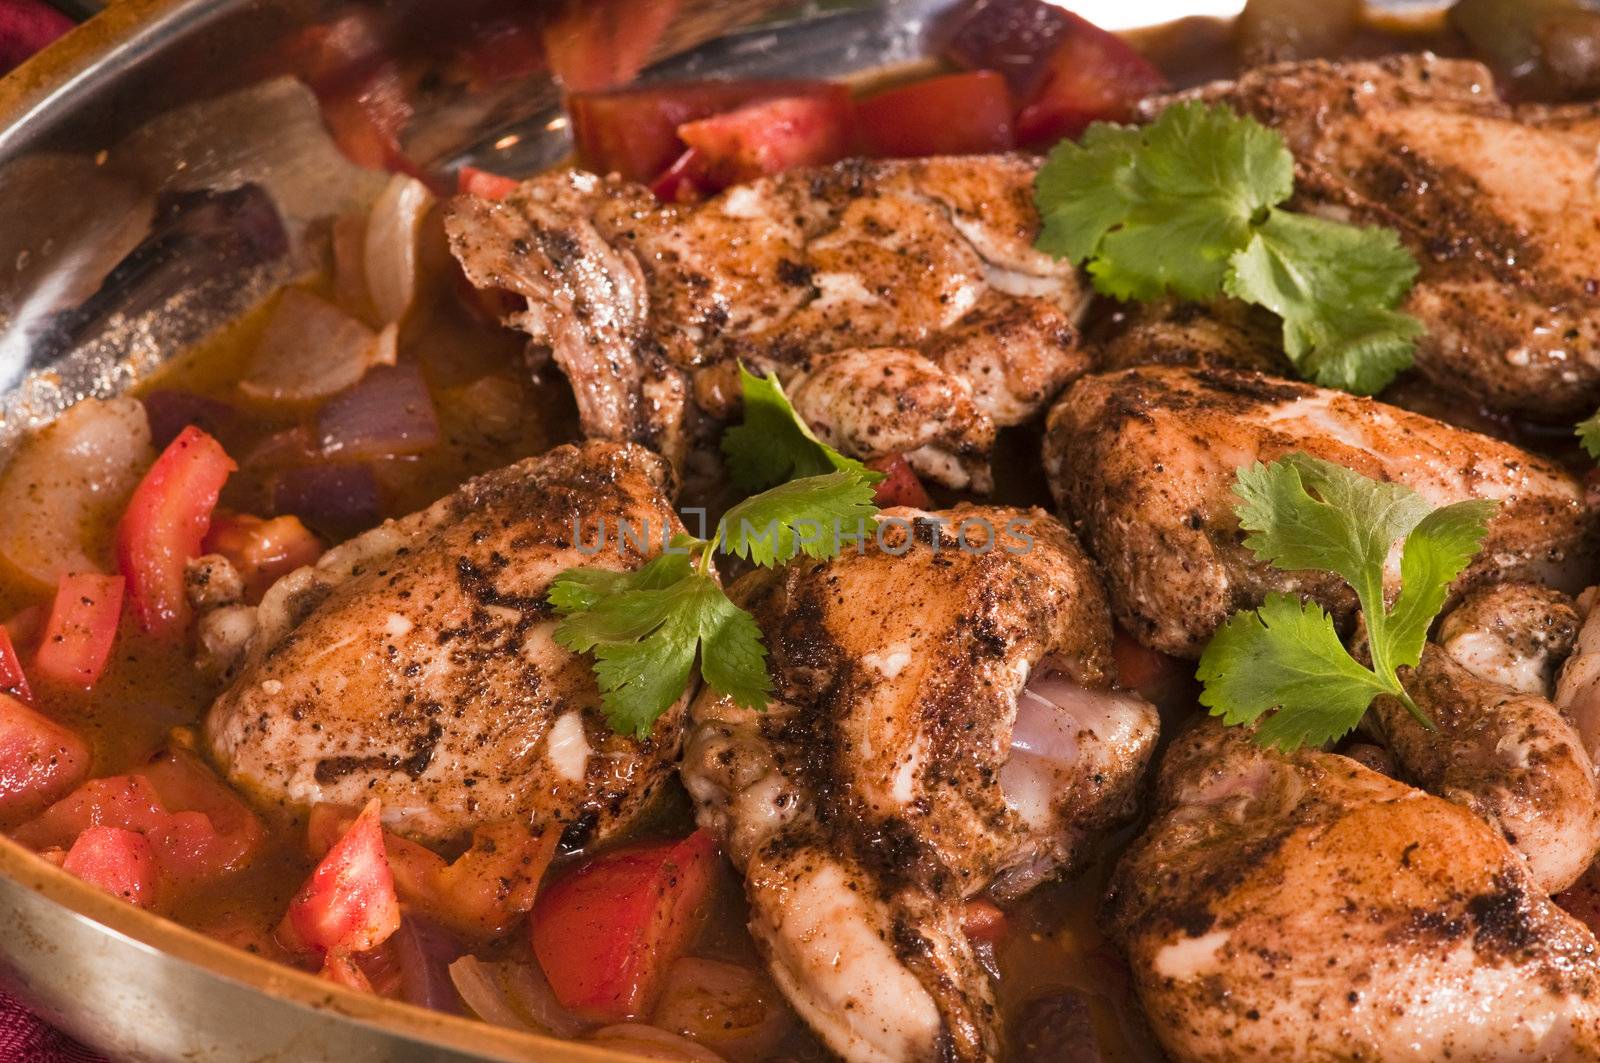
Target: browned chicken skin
column 415, row 662
column 1144, row 462
column 1500, row 207
column 647, row 308
column 910, row 762
column 1306, row 907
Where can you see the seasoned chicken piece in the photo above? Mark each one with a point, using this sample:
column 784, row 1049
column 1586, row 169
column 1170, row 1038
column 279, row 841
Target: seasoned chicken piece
column 1500, row 212
column 647, row 307
column 1502, row 749
column 1144, row 461
column 943, row 724
column 1578, row 683
column 1226, row 334
column 415, row 662
column 1305, row 907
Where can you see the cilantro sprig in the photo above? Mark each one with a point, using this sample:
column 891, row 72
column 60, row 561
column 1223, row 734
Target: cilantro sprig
column 1191, row 204
column 1588, row 433
column 647, row 628
column 774, row 444
column 1285, row 658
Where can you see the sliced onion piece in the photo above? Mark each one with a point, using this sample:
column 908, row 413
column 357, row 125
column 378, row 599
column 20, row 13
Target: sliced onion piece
column 311, row 349
column 730, row 1007
column 393, row 246
column 652, row 1042
column 389, row 413
column 513, row 995
column 64, row 490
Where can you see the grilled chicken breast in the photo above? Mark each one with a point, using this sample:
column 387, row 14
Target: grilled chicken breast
column 1500, row 207
column 647, row 308
column 944, row 724
column 1306, row 907
column 1497, row 745
column 415, row 662
column 1143, row 461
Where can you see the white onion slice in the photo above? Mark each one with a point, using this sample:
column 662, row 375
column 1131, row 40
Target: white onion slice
column 311, row 349
column 393, row 249
column 513, row 995
column 67, row 486
column 652, row 1042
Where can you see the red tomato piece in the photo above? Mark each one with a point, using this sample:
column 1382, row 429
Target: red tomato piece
column 983, row 922
column 39, row 760
column 596, row 44
column 78, row 637
column 1141, row 668
column 1092, row 76
column 900, row 486
column 349, row 902
column 121, row 862
column 634, row 132
column 164, row 525
column 958, row 114
column 12, row 680
column 685, row 181
column 262, row 551
column 25, row 625
column 607, row 933
column 471, row 181
column 770, row 136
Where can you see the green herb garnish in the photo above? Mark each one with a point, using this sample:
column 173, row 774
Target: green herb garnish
column 1190, row 205
column 1304, row 513
column 774, row 444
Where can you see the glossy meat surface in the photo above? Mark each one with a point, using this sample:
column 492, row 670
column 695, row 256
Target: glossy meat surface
column 1306, row 907
column 415, row 662
column 647, row 307
column 905, row 768
column 1500, row 208
column 1144, row 460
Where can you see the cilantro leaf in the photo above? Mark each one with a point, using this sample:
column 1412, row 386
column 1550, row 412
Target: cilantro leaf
column 1588, row 433
column 578, row 589
column 774, row 444
column 1304, row 513
column 1163, row 207
column 815, row 516
column 1333, row 285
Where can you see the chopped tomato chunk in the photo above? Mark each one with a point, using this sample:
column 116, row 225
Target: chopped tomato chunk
column 634, row 132
column 39, row 760
column 983, row 921
column 471, row 181
column 900, row 486
column 199, row 829
column 262, row 551
column 349, row 902
column 1141, row 668
column 1092, row 76
column 770, row 136
column 607, row 933
column 600, row 43
column 958, row 114
column 78, row 637
column 12, row 680
column 121, row 862
column 481, row 894
column 164, row 525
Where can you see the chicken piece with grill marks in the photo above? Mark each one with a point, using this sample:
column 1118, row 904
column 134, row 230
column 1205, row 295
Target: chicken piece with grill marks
column 928, row 264
column 1144, row 462
column 1303, row 906
column 944, row 723
column 415, row 662
column 1497, row 745
column 1501, row 208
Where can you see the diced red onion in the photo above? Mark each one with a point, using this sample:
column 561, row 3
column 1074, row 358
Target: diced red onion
column 336, row 500
column 389, row 413
column 1016, row 38
column 425, row 952
column 171, row 411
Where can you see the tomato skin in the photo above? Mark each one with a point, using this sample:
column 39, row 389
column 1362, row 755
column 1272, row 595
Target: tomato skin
column 634, row 132
column 471, row 181
column 81, row 630
column 606, row 933
column 481, row 894
column 349, row 902
column 1141, row 668
column 262, row 550
column 957, row 114
column 121, row 862
column 771, row 136
column 900, row 485
column 983, row 922
column 1092, row 76
column 13, row 681
column 595, row 44
column 164, row 525
column 39, row 760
